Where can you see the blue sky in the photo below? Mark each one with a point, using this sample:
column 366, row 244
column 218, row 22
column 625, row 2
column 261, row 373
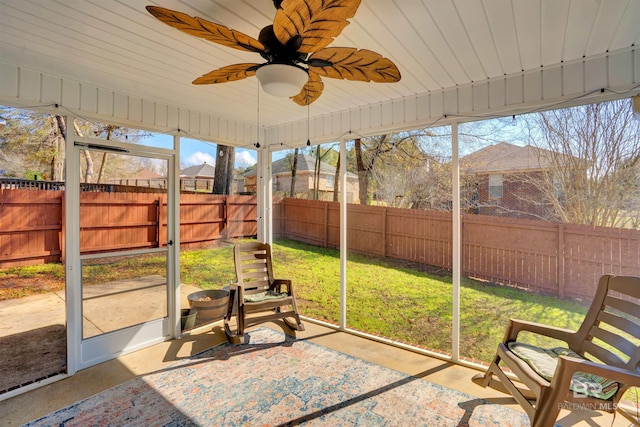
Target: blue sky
column 194, row 152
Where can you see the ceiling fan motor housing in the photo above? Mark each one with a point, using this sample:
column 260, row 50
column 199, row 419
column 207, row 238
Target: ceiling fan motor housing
column 278, row 53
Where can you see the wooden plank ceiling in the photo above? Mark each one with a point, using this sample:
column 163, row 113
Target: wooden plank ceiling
column 437, row 44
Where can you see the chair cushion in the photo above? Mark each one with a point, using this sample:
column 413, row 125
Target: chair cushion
column 264, row 296
column 544, row 361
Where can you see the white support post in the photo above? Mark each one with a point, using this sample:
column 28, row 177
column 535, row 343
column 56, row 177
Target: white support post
column 268, row 191
column 173, row 234
column 72, row 250
column 343, row 233
column 456, row 247
column 265, row 202
column 260, row 195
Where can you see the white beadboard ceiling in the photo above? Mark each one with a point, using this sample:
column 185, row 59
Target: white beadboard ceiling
column 437, row 45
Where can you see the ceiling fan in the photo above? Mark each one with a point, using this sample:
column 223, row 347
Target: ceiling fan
column 294, row 47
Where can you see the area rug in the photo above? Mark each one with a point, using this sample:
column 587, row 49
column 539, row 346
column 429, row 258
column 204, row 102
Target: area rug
column 276, row 380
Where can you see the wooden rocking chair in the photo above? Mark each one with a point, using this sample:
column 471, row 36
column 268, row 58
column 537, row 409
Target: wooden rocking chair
column 610, row 334
column 257, row 291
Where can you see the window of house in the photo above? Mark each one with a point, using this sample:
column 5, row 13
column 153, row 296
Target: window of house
column 495, row 186
column 330, row 181
column 558, row 190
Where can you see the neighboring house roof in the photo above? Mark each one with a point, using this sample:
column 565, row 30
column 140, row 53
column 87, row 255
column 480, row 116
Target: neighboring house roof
column 147, row 174
column 203, row 170
column 305, row 163
column 505, row 157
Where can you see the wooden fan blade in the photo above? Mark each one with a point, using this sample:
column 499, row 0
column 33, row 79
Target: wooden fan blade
column 311, row 91
column 353, row 64
column 229, row 73
column 316, row 22
column 207, row 30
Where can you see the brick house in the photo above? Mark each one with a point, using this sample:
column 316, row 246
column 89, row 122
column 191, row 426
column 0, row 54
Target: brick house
column 142, row 178
column 197, row 177
column 509, row 180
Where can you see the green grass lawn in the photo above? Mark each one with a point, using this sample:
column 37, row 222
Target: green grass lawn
column 390, row 298
column 398, row 300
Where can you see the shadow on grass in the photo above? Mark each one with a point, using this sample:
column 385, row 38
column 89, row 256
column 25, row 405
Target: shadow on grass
column 441, row 275
column 412, row 302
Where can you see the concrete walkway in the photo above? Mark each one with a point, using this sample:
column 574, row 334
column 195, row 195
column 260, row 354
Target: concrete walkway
column 33, row 342
column 107, row 307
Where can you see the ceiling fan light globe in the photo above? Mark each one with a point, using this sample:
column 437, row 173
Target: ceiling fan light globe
column 281, row 79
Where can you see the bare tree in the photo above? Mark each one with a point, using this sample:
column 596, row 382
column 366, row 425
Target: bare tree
column 431, row 185
column 231, row 160
column 223, row 175
column 57, row 162
column 38, row 140
column 594, row 156
column 363, row 172
column 109, row 165
column 322, row 155
column 385, row 165
column 108, row 132
column 14, row 164
column 294, row 171
column 316, row 174
column 33, row 140
column 88, row 170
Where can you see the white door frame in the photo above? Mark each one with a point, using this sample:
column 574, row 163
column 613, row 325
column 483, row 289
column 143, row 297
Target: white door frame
column 85, row 353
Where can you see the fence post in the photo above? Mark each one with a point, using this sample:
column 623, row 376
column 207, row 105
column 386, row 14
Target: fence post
column 63, row 231
column 159, row 219
column 561, row 263
column 462, row 239
column 283, row 222
column 326, row 224
column 225, row 213
column 384, row 232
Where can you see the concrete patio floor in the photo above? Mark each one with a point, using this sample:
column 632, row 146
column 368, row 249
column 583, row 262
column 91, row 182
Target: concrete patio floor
column 31, row 405
column 49, row 309
column 32, row 329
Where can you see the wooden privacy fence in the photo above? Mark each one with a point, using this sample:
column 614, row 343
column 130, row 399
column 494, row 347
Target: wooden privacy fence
column 32, row 222
column 560, row 259
column 208, row 218
column 30, row 226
